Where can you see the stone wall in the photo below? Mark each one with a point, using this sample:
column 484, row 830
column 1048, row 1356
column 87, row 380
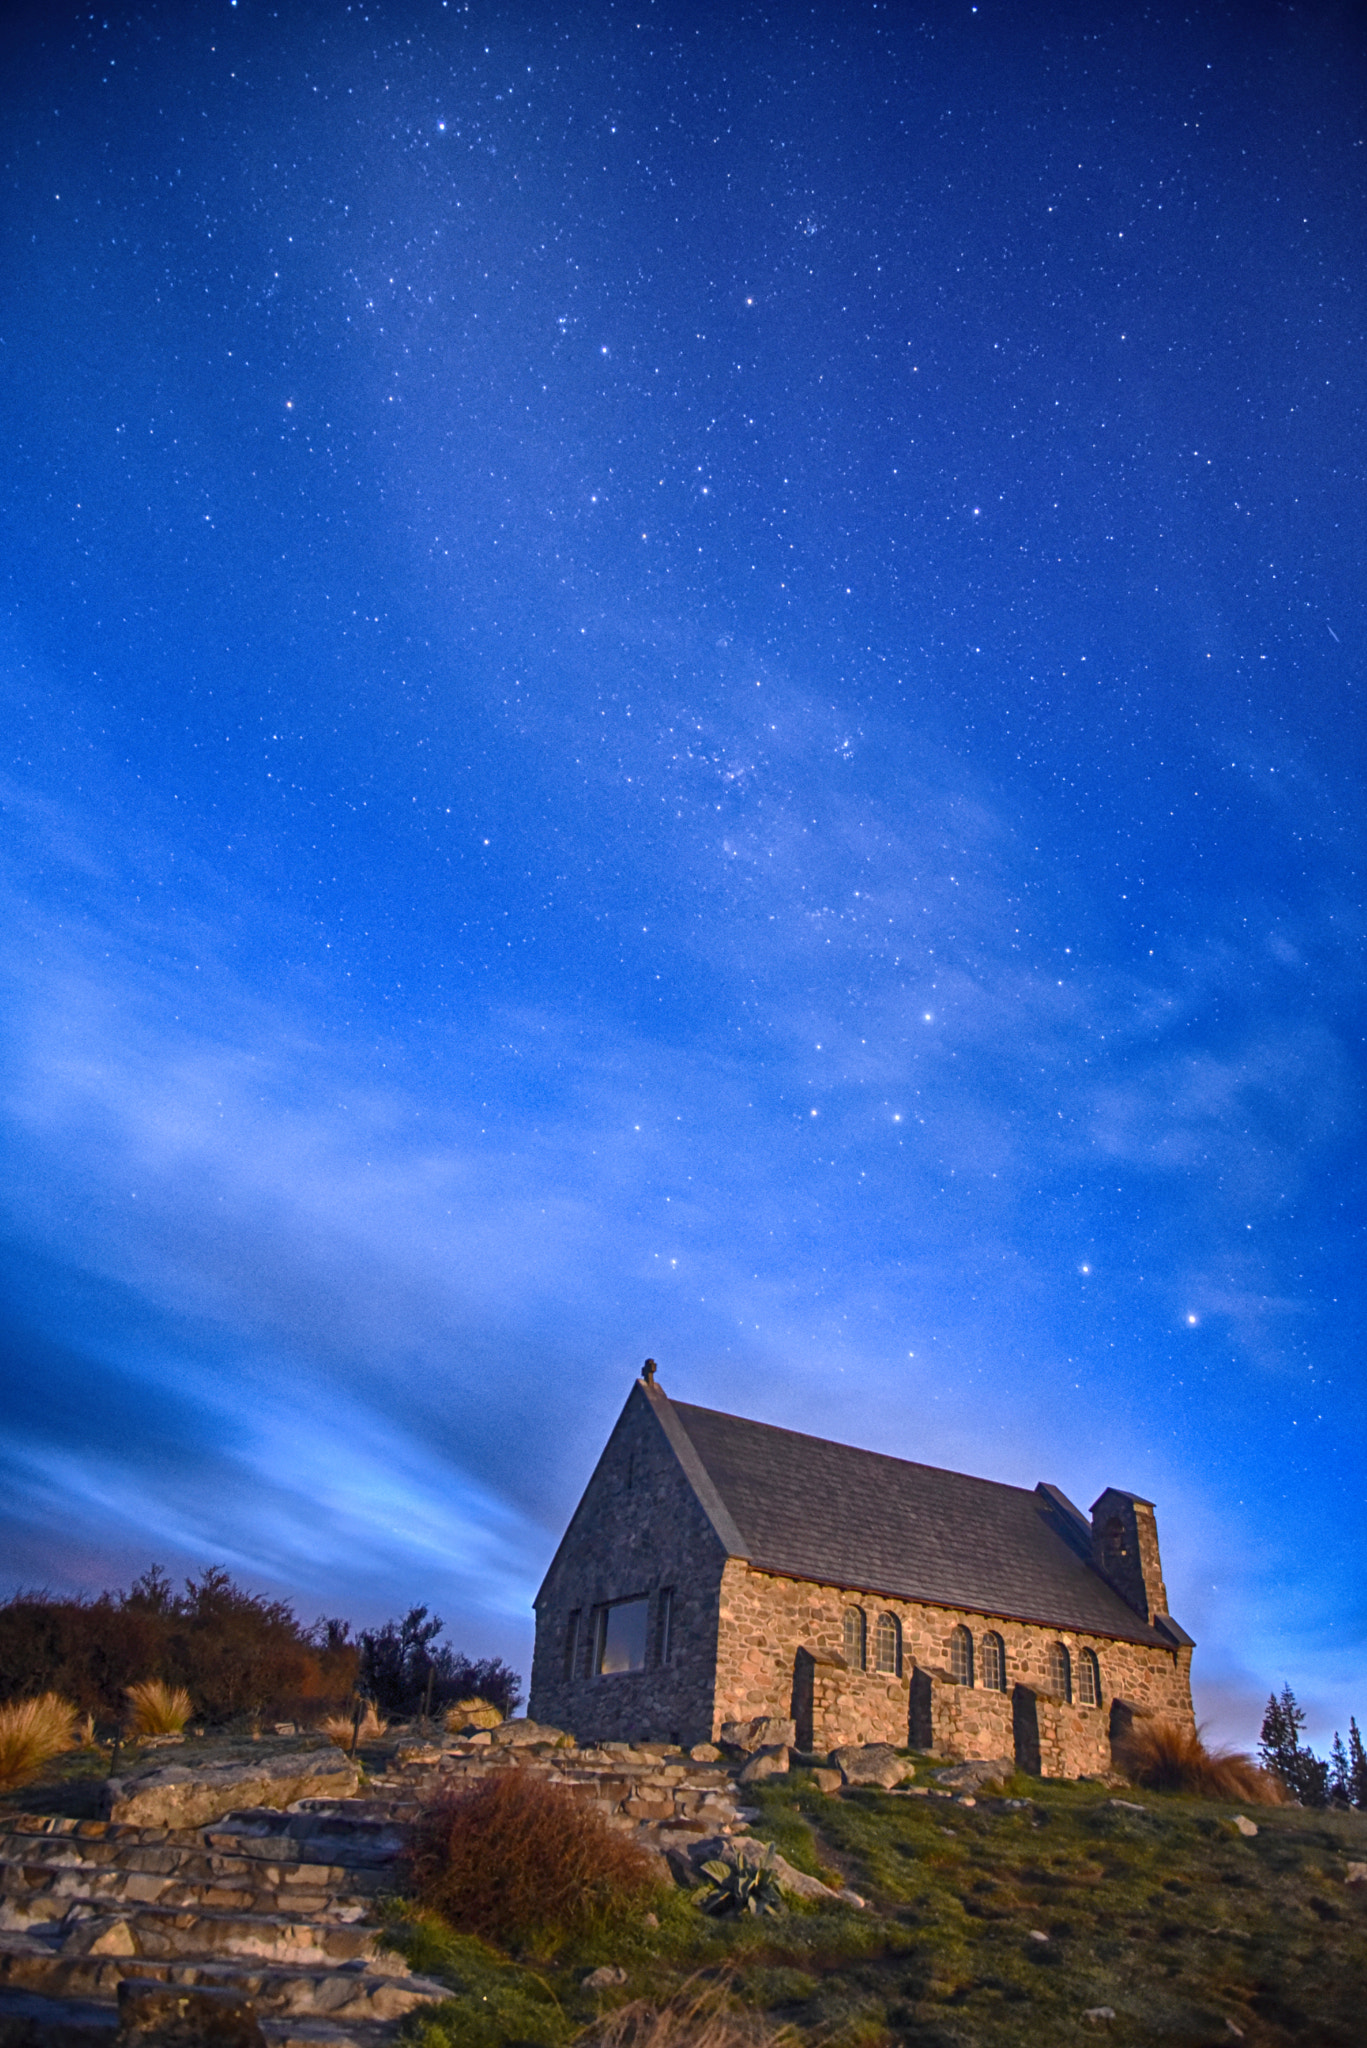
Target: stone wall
column 639, row 1530
column 765, row 1621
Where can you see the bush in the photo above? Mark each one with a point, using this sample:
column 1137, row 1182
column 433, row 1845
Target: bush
column 157, row 1708
column 523, row 1863
column 406, row 1670
column 474, row 1713
column 1167, row 1758
column 31, row 1732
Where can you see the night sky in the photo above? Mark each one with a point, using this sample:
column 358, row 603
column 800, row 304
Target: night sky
column 683, row 680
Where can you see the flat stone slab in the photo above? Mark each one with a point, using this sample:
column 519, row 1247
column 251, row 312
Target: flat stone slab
column 186, row 1796
column 871, row 1763
column 976, row 1773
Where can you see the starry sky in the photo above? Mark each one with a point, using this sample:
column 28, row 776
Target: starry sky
column 682, row 679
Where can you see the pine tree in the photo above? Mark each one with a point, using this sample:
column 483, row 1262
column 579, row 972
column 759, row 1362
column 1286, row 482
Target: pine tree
column 1357, row 1767
column 1340, row 1779
column 1305, row 1775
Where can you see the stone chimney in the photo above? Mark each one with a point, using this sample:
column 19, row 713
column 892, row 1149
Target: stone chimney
column 1125, row 1551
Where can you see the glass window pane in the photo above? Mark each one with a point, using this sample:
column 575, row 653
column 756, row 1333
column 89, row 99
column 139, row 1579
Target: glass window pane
column 624, row 1636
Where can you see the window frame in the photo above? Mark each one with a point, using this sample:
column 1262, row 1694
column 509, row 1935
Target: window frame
column 992, row 1651
column 961, row 1641
column 856, row 1616
column 888, row 1629
column 1057, row 1656
column 664, row 1627
column 600, row 1637
column 1088, row 1678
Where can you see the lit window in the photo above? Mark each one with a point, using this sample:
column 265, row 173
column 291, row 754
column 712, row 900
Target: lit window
column 1088, row 1679
column 572, row 1646
column 961, row 1656
column 1058, row 1671
column 854, row 1638
column 889, row 1644
column 993, row 1662
column 622, row 1636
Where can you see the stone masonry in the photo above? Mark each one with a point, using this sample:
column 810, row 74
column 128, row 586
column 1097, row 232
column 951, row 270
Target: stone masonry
column 721, row 1640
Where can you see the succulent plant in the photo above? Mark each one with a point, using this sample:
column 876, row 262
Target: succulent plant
column 736, row 1887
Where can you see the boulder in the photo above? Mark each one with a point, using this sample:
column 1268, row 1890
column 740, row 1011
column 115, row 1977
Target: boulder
column 1245, row 1825
column 186, row 1795
column 827, row 1780
column 871, row 1763
column 604, row 1978
column 766, row 1763
column 976, row 1774
column 765, row 1731
column 521, row 1734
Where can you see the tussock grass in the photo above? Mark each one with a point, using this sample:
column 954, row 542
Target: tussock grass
column 476, row 1713
column 524, row 1863
column 338, row 1728
column 1166, row 1758
column 156, row 1708
column 31, row 1733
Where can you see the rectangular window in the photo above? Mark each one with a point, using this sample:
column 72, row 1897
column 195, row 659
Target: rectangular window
column 664, row 1625
column 572, row 1646
column 622, row 1636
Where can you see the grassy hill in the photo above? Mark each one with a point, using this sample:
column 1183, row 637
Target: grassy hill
column 1008, row 1923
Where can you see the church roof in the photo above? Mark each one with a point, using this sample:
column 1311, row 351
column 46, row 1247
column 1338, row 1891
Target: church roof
column 809, row 1509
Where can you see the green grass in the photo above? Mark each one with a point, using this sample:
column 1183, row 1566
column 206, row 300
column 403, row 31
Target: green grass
column 1168, row 1916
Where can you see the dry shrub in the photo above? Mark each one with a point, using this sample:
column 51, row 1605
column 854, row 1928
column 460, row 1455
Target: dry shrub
column 157, row 1708
column 31, row 1732
column 701, row 2015
column 1168, row 1758
column 524, row 1863
column 473, row 1713
column 339, row 1728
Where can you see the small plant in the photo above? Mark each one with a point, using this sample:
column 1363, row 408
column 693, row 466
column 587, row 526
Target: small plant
column 735, row 1887
column 31, row 1732
column 343, row 1729
column 157, row 1708
column 523, row 1863
column 1167, row 1758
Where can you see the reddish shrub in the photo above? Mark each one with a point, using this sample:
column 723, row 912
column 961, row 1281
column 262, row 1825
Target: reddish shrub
column 524, row 1863
column 1167, row 1758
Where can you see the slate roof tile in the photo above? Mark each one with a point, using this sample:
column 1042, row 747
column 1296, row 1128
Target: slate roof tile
column 828, row 1512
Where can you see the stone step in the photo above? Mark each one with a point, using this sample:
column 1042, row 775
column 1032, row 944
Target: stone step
column 197, row 1865
column 165, row 1933
column 28, row 2020
column 354, row 1993
column 29, row 1892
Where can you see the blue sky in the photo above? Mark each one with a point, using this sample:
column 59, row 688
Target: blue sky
column 683, row 687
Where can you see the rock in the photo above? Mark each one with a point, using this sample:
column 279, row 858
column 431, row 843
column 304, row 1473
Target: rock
column 651, row 1920
column 767, row 1763
column 871, row 1763
column 521, row 1734
column 285, row 1728
column 1357, row 1874
column 976, row 1774
column 1127, row 1805
column 766, row 1731
column 967, row 1799
column 1098, row 2015
column 177, row 2016
column 1038, row 1934
column 827, row 1780
column 1245, row 1825
column 186, row 1796
column 97, row 1935
column 746, row 1849
column 604, row 1978
column 705, row 1753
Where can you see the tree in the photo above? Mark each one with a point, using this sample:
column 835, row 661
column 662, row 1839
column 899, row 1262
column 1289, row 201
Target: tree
column 1357, row 1767
column 405, row 1670
column 1305, row 1775
column 1340, row 1780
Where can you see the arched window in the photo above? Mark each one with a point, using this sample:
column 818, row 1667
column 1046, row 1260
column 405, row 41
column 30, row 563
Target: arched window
column 889, row 1644
column 993, row 1662
column 1058, row 1671
column 961, row 1656
column 1088, row 1679
column 854, row 1638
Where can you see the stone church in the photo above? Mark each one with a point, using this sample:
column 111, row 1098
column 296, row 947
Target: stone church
column 717, row 1569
